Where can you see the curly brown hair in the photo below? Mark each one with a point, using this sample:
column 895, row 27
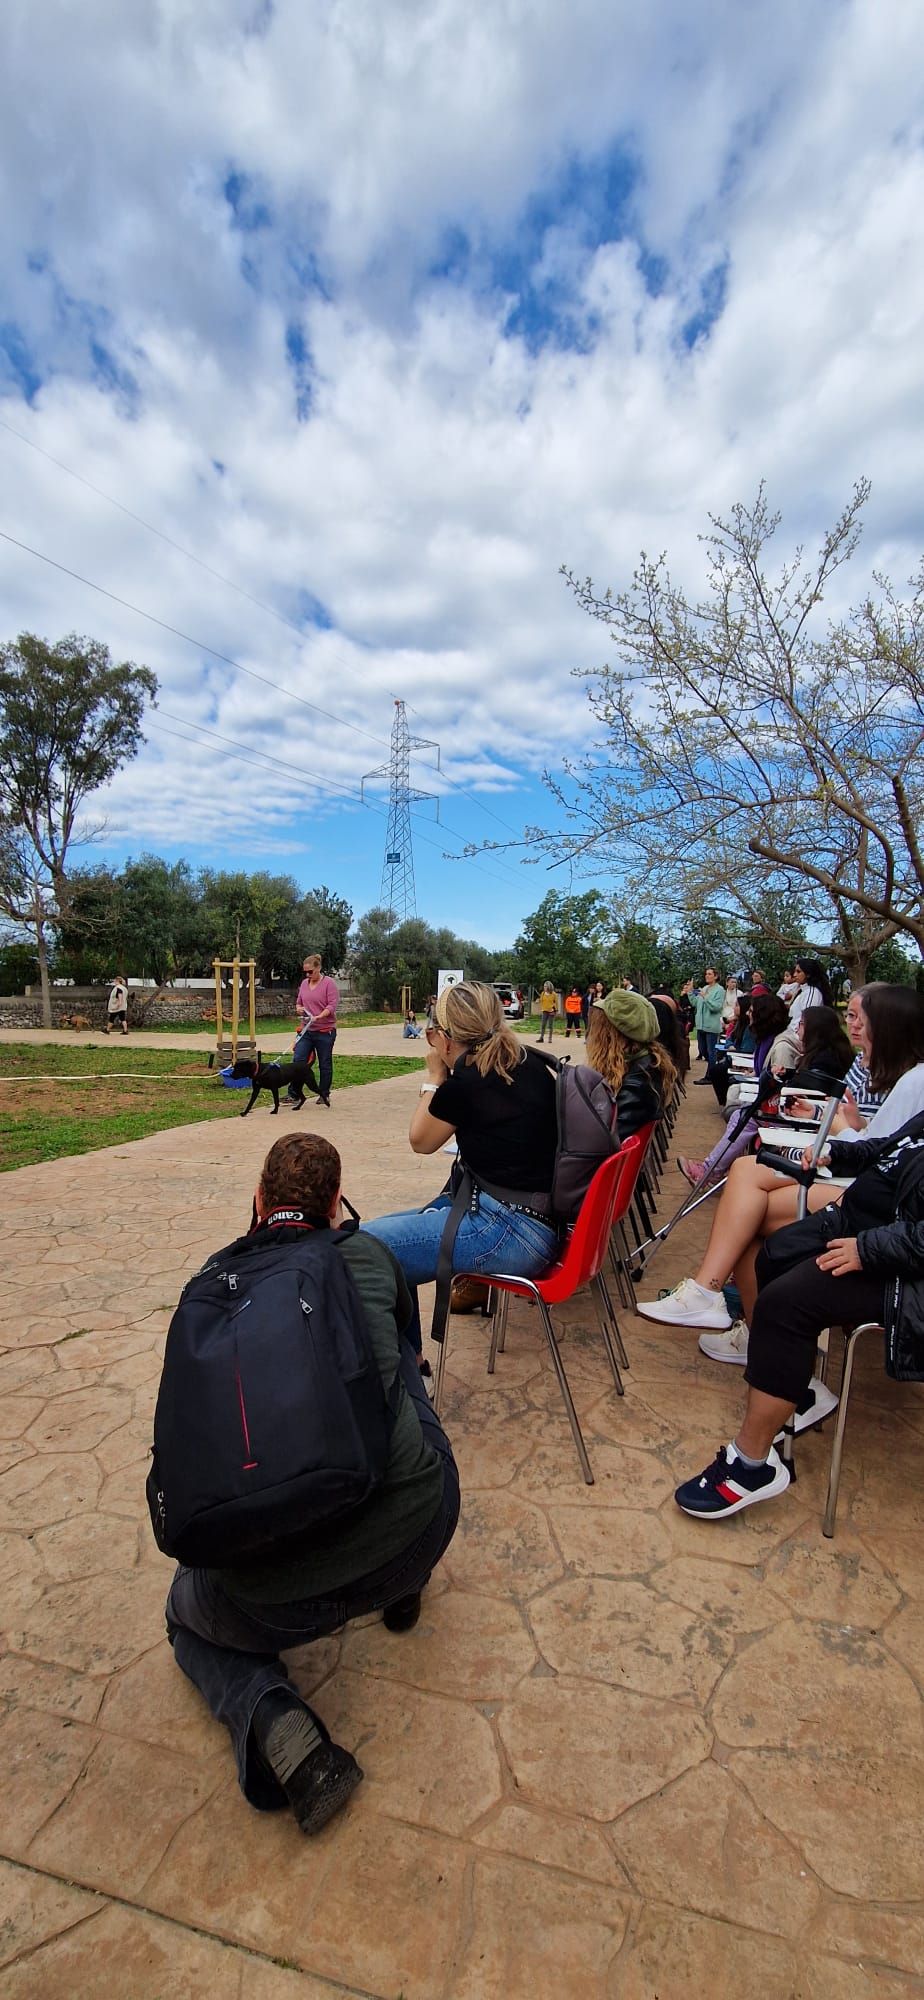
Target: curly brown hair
column 609, row 1051
column 300, row 1171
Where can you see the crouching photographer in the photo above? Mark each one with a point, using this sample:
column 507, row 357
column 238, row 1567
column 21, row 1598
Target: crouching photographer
column 299, row 1471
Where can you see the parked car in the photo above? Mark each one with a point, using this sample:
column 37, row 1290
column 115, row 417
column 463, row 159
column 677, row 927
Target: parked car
column 511, row 999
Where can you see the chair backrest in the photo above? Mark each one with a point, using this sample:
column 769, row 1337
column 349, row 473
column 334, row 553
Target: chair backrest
column 587, row 1243
column 627, row 1188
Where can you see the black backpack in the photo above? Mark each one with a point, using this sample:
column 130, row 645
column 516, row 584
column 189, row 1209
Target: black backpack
column 272, row 1420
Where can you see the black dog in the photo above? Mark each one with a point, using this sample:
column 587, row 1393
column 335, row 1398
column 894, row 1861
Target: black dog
column 274, row 1077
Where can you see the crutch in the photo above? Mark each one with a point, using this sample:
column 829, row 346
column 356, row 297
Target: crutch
column 638, row 1254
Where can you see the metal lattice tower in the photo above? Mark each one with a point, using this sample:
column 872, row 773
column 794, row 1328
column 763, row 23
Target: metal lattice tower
column 398, row 892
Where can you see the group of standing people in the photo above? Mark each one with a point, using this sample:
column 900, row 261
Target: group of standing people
column 576, row 1006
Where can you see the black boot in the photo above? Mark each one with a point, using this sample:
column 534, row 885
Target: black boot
column 403, row 1614
column 316, row 1775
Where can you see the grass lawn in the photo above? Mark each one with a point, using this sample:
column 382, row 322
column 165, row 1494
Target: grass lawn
column 274, row 1024
column 43, row 1120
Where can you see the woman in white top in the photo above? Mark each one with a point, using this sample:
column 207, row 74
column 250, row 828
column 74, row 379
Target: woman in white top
column 730, row 1005
column 756, row 1202
column 812, row 989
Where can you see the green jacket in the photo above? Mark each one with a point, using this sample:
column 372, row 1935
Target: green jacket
column 708, row 1002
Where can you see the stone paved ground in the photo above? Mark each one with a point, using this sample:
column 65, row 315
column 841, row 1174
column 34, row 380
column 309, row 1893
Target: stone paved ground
column 622, row 1755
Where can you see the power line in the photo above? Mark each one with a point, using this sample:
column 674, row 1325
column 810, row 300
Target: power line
column 245, row 753
column 188, row 639
column 301, row 771
column 229, row 584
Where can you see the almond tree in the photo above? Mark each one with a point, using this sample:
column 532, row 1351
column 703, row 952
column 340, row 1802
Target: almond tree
column 751, row 747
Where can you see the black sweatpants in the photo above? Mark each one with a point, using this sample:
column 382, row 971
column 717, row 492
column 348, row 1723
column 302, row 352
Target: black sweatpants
column 789, row 1316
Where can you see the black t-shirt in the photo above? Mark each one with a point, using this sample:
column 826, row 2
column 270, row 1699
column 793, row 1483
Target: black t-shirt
column 507, row 1132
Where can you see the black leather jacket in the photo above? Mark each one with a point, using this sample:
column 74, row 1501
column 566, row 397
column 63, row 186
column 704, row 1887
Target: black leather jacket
column 894, row 1250
column 639, row 1100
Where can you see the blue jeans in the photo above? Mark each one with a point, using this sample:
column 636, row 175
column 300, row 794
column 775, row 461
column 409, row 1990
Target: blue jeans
column 230, row 1650
column 319, row 1042
column 495, row 1239
column 709, row 1046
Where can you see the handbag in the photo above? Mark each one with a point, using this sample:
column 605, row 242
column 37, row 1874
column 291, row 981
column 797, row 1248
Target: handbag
column 797, row 1242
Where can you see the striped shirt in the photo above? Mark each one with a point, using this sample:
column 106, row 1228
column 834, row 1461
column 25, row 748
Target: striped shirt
column 857, row 1080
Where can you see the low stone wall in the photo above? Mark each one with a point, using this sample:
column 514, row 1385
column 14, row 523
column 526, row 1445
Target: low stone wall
column 171, row 1007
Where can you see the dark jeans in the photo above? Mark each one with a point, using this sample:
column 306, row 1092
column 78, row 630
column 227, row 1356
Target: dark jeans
column 707, row 1046
column 230, row 1650
column 311, row 1042
column 789, row 1316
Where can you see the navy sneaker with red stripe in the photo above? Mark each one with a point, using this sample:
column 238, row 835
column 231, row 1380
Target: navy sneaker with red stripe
column 727, row 1485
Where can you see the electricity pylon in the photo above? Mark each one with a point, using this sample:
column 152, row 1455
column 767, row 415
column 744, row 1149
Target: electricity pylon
column 398, row 892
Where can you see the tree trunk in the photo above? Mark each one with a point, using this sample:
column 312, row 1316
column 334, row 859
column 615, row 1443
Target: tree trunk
column 855, row 962
column 43, row 965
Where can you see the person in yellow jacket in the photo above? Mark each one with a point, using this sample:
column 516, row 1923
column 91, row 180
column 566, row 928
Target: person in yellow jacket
column 548, row 1008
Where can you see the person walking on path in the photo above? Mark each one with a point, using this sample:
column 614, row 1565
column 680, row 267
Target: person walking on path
column 548, row 1007
column 117, row 1005
column 317, row 1002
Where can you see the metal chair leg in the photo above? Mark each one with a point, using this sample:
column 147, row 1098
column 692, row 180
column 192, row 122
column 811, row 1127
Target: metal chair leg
column 618, row 1341
column 567, row 1397
column 606, row 1328
column 837, row 1448
column 498, row 1327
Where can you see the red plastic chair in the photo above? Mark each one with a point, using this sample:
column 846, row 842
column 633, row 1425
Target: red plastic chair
column 584, row 1252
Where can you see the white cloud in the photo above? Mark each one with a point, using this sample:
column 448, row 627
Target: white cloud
column 450, row 462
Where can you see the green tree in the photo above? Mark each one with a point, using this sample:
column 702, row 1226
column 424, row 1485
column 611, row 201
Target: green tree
column 371, row 956
column 638, row 954
column 565, row 940
column 158, row 920
column 88, row 946
column 17, row 966
column 69, row 719
column 324, row 920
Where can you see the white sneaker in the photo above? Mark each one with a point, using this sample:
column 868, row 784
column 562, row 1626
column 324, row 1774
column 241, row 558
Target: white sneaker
column 730, row 1346
column 823, row 1401
column 689, row 1304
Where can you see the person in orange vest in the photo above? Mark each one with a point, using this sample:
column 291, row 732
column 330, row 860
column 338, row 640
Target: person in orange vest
column 573, row 1012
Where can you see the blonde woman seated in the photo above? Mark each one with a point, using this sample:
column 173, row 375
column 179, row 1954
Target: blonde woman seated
column 622, row 1043
column 496, row 1097
column 756, row 1202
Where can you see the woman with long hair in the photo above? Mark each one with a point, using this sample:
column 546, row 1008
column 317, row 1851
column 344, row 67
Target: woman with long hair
column 497, row 1099
column 822, row 1048
column 812, row 988
column 623, row 1045
column 756, row 1202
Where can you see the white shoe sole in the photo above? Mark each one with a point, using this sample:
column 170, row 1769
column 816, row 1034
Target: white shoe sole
column 777, row 1484
column 718, row 1321
column 738, row 1359
column 824, row 1405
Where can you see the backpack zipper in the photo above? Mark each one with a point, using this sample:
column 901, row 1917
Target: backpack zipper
column 250, row 1463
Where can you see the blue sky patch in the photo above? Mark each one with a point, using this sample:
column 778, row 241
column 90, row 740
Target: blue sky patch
column 713, row 293
column 298, row 355
column 249, row 211
column 17, row 362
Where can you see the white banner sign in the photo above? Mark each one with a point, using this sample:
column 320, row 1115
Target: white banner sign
column 447, row 979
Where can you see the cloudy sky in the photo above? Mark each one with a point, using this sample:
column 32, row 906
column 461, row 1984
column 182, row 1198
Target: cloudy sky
column 328, row 332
